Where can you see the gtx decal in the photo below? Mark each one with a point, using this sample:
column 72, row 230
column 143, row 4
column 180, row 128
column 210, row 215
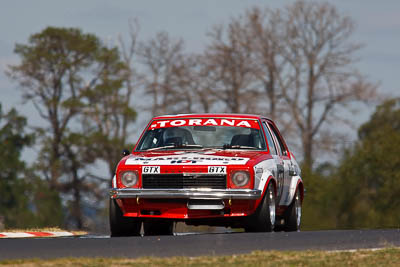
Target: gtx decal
column 150, row 169
column 217, row 169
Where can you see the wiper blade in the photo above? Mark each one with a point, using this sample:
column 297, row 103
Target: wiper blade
column 175, row 146
column 188, row 146
column 160, row 147
column 228, row 146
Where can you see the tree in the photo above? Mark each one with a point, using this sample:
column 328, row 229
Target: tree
column 228, row 63
column 320, row 79
column 296, row 65
column 108, row 113
column 14, row 202
column 192, row 85
column 264, row 42
column 264, row 27
column 368, row 178
column 62, row 72
column 162, row 58
column 23, row 196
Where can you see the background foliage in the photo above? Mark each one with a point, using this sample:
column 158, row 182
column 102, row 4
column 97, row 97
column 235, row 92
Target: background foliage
column 361, row 190
column 26, row 200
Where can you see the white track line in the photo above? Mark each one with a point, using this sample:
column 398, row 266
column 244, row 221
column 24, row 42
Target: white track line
column 356, row 250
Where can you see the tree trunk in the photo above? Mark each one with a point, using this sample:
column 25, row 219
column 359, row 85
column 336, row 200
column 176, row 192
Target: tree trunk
column 308, row 149
column 76, row 205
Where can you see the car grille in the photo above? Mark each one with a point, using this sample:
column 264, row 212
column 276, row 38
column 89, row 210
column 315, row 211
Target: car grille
column 180, row 181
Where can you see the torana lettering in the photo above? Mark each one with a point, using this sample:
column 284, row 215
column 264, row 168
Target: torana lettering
column 205, row 122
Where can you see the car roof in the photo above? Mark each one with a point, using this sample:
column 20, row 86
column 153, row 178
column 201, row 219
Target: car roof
column 211, row 115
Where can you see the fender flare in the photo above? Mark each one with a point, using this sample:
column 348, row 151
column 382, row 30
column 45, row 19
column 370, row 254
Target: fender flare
column 296, row 183
column 270, row 179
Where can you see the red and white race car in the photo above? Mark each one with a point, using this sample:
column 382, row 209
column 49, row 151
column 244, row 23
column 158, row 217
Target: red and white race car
column 207, row 169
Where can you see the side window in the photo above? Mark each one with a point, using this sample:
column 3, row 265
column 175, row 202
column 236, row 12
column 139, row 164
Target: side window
column 281, row 147
column 271, row 144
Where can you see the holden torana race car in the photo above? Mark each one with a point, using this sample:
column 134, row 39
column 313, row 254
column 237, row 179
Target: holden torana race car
column 207, row 169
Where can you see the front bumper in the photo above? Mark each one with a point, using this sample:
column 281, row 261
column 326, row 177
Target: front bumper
column 186, row 193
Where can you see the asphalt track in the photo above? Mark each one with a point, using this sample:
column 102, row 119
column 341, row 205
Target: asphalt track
column 195, row 244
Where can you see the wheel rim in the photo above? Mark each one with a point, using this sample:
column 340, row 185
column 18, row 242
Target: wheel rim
column 298, row 210
column 271, row 207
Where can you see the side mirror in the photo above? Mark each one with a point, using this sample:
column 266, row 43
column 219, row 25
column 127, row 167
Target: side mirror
column 125, row 152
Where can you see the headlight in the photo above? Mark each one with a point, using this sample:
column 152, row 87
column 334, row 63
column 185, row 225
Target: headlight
column 240, row 178
column 129, row 178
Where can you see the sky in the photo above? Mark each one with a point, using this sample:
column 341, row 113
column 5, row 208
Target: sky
column 377, row 27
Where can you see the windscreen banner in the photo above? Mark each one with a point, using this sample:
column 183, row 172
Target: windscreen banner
column 205, row 122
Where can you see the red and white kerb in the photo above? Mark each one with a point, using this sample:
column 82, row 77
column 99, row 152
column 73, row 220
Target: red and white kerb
column 205, row 122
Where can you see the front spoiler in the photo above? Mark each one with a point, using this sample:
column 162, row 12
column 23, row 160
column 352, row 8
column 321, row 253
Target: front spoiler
column 186, row 193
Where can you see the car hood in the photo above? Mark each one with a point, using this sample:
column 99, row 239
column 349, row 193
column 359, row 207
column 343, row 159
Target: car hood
column 198, row 157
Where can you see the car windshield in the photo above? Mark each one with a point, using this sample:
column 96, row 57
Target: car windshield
column 202, row 133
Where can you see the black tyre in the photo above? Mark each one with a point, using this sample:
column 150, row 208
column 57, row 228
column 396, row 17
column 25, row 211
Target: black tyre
column 293, row 214
column 120, row 225
column 158, row 227
column 263, row 220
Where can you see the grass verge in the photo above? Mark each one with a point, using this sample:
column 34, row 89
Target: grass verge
column 383, row 257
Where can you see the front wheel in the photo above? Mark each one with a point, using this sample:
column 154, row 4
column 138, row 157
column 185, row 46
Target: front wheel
column 263, row 220
column 293, row 214
column 120, row 225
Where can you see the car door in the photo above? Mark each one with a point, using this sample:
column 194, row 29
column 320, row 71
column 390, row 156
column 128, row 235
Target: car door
column 278, row 172
column 285, row 163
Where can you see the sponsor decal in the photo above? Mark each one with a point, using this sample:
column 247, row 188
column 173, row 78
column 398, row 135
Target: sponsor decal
column 205, row 122
column 183, row 161
column 187, row 159
column 150, row 169
column 217, row 169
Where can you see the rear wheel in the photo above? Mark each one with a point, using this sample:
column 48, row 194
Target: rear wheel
column 120, row 225
column 158, row 227
column 263, row 220
column 293, row 214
